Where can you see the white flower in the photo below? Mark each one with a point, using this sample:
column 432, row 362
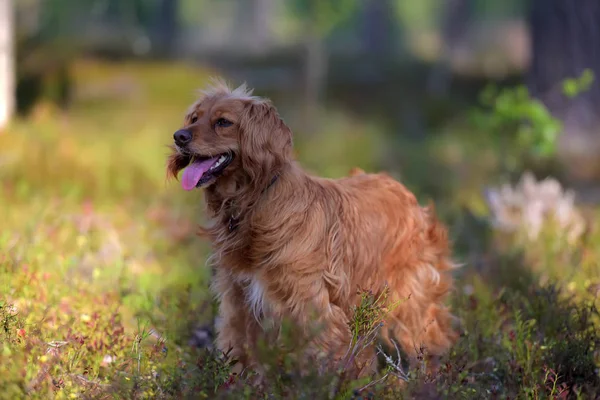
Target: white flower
column 531, row 205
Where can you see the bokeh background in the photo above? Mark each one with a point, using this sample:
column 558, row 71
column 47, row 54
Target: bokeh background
column 471, row 103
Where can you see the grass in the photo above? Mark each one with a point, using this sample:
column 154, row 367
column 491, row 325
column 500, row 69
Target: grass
column 103, row 282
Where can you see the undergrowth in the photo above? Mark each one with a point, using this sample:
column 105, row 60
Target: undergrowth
column 103, row 281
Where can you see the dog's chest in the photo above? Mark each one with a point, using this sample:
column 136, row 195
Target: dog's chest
column 255, row 296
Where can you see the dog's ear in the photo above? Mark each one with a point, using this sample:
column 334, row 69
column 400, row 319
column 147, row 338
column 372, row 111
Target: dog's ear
column 265, row 140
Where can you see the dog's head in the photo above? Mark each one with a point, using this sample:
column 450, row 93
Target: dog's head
column 229, row 133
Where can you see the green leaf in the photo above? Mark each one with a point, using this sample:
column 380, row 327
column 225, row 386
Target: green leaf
column 570, row 87
column 574, row 86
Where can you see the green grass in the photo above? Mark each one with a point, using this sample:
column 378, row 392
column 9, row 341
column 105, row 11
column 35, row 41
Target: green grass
column 102, row 280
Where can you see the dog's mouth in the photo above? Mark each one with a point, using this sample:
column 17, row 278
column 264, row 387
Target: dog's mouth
column 202, row 170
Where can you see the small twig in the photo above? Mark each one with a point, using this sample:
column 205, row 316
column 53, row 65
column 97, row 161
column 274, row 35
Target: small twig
column 397, row 351
column 359, row 346
column 396, row 366
column 87, row 381
column 57, row 343
column 399, row 372
column 372, row 383
column 43, row 373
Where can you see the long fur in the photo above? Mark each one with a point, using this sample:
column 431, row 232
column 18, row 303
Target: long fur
column 304, row 245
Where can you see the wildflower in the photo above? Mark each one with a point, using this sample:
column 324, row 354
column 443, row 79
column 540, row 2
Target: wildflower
column 85, row 318
column 528, row 205
column 108, row 359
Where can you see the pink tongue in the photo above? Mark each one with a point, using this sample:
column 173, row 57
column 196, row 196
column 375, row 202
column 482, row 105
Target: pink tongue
column 193, row 173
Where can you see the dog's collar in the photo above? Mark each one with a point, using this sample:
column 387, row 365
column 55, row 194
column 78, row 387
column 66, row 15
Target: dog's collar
column 234, row 220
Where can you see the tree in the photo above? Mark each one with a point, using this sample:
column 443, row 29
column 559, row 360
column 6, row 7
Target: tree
column 253, row 19
column 7, row 69
column 166, row 26
column 378, row 30
column 455, row 19
column 565, row 38
column 319, row 18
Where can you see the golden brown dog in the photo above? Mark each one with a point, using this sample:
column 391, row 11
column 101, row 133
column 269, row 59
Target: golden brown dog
column 291, row 245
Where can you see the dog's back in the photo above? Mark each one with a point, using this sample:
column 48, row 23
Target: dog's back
column 390, row 241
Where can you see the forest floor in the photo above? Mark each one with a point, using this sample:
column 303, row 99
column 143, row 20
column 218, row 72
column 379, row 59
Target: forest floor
column 103, row 282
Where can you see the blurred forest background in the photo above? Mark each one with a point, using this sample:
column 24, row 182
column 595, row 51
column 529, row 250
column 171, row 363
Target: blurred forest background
column 413, row 68
column 471, row 103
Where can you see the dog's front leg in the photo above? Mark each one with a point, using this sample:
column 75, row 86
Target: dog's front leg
column 306, row 302
column 232, row 322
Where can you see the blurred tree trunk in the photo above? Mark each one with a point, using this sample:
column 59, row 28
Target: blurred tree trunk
column 166, row 27
column 7, row 69
column 379, row 39
column 315, row 67
column 316, row 75
column 455, row 19
column 381, row 45
column 261, row 18
column 378, row 30
column 253, row 18
column 319, row 17
column 565, row 37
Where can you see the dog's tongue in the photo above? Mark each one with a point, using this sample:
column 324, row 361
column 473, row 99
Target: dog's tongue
column 193, row 173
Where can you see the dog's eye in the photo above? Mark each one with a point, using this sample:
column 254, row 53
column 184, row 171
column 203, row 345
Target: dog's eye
column 223, row 123
column 194, row 119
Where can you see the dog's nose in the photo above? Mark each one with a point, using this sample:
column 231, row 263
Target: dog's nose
column 182, row 137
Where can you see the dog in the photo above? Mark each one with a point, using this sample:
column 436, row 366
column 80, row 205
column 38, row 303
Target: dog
column 289, row 245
